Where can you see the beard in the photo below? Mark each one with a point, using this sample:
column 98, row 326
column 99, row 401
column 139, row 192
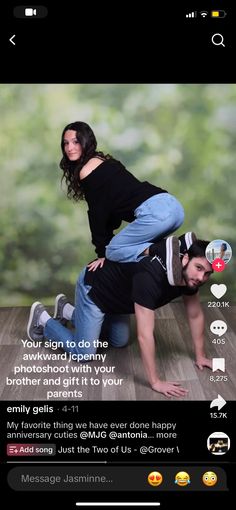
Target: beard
column 190, row 282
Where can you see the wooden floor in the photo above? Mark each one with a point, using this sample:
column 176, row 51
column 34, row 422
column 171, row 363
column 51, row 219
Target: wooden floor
column 175, row 360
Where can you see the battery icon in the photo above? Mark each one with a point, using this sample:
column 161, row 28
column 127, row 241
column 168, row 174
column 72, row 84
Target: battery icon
column 218, row 14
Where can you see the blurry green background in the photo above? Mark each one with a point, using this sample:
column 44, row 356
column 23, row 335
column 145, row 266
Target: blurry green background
column 179, row 137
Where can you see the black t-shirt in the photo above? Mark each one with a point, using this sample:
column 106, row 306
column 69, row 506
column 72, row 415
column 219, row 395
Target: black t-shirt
column 116, row 287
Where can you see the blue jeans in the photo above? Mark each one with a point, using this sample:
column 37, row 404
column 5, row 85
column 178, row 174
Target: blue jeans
column 156, row 218
column 90, row 324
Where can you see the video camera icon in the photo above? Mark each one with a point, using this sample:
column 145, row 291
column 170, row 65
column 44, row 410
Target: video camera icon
column 34, row 11
column 30, row 12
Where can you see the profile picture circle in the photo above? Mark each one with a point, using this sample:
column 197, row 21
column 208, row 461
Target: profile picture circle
column 218, row 249
column 218, row 443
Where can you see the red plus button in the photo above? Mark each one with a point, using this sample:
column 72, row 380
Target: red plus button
column 218, row 265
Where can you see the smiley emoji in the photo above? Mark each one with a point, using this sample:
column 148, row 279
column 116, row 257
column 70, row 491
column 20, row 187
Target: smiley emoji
column 182, row 478
column 209, row 478
column 155, row 478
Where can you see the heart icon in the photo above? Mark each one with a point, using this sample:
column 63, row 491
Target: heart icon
column 218, row 290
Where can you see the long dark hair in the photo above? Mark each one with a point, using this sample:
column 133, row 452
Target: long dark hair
column 71, row 169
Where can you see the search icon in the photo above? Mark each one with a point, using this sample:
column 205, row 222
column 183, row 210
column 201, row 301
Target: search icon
column 218, row 40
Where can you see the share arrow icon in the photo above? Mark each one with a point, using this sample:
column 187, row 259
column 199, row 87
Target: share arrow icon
column 218, row 402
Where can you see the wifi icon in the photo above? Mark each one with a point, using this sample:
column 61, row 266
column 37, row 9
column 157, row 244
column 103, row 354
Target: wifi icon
column 204, row 13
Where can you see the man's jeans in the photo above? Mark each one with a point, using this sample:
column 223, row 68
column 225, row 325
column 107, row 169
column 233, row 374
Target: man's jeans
column 90, row 324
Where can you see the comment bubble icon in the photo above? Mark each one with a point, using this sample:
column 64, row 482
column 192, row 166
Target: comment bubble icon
column 218, row 327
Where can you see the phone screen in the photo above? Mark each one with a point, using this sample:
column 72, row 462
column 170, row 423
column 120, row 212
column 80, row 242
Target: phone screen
column 117, row 299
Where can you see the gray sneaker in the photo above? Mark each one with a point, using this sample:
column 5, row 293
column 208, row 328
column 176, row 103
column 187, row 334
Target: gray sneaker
column 167, row 252
column 173, row 262
column 60, row 301
column 186, row 240
column 34, row 330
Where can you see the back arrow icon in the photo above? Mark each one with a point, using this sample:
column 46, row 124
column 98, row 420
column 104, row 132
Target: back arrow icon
column 11, row 39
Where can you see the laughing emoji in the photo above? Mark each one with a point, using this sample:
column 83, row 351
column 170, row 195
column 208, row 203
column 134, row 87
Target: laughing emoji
column 182, row 478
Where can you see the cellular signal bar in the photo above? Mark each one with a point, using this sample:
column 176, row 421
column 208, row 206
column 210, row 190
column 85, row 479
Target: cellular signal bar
column 192, row 14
